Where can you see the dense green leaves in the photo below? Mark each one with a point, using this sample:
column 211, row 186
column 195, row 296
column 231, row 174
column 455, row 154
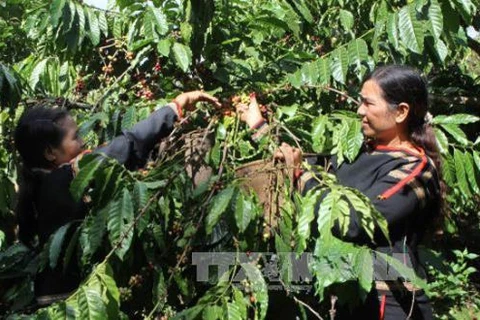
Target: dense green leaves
column 10, row 87
column 466, row 9
column 116, row 66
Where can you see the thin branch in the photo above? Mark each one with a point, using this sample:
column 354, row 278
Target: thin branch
column 137, row 218
column 333, row 311
column 308, row 307
column 197, row 227
column 328, row 88
column 412, row 305
column 110, row 88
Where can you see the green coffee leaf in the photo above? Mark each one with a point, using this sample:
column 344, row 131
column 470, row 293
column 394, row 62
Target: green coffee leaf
column 90, row 304
column 218, row 206
column 339, row 64
column 460, row 118
column 470, row 172
column 358, row 52
column 436, row 18
column 182, row 55
column 392, row 29
column 461, row 174
column 346, row 19
column 94, row 27
column 244, row 211
column 363, row 266
column 120, row 218
column 89, row 165
column 56, row 244
column 56, row 10
column 456, row 133
column 410, row 29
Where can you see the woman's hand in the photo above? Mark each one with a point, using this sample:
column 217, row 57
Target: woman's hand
column 187, row 100
column 291, row 156
column 251, row 113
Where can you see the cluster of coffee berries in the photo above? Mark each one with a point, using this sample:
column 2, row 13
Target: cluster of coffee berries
column 79, row 85
column 125, row 294
column 135, row 281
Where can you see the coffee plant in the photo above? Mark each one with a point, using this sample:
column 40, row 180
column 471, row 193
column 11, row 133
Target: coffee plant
column 305, row 61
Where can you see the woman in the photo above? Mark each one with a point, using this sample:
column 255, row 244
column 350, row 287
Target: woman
column 49, row 145
column 399, row 170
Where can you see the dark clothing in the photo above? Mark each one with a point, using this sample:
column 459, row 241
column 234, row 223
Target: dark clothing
column 55, row 205
column 397, row 305
column 404, row 187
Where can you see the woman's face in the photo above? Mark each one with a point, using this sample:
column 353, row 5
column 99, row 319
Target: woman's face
column 71, row 146
column 378, row 119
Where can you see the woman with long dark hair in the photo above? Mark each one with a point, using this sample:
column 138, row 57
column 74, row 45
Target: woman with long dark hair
column 398, row 169
column 49, row 145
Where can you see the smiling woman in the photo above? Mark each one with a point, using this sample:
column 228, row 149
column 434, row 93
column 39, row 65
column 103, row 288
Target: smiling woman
column 398, row 169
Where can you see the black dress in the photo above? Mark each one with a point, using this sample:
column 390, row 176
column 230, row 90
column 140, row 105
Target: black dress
column 404, row 187
column 55, row 206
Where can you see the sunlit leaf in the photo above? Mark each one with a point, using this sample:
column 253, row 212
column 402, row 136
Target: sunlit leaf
column 90, row 304
column 339, row 64
column 410, row 29
column 459, row 118
column 456, row 133
column 436, row 18
column 182, row 55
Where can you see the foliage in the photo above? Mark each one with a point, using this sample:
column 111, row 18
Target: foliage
column 306, row 61
column 452, row 288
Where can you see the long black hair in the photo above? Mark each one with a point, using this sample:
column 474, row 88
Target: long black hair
column 38, row 129
column 405, row 84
